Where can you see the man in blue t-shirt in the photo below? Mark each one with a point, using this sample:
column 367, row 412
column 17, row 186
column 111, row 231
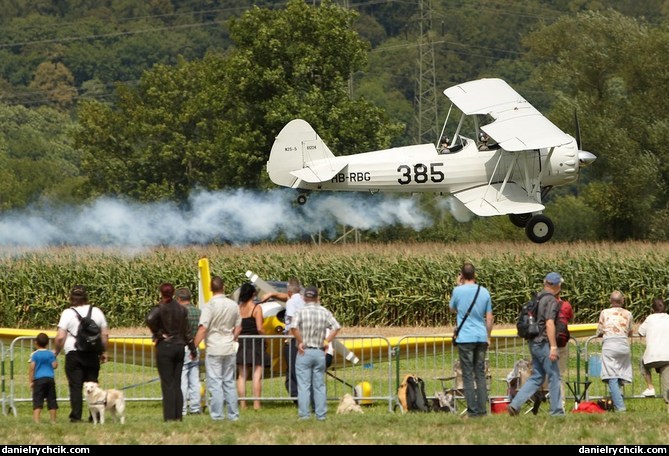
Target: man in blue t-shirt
column 41, row 376
column 473, row 337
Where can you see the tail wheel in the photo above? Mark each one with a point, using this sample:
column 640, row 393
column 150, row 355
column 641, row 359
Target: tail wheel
column 520, row 220
column 301, row 199
column 539, row 229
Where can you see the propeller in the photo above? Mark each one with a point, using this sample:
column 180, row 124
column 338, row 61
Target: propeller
column 584, row 157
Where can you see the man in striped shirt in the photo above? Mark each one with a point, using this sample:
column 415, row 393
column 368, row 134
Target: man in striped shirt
column 309, row 327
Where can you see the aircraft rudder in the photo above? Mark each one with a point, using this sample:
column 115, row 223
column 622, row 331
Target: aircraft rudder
column 296, row 144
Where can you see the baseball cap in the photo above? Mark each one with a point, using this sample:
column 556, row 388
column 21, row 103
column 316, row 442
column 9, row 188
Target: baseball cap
column 311, row 292
column 554, row 278
column 183, row 294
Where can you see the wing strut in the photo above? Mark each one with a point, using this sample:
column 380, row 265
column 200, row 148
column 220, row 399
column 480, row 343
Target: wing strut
column 544, row 167
column 508, row 171
column 506, row 178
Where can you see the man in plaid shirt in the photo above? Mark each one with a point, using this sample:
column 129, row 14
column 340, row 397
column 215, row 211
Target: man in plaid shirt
column 309, row 328
column 190, row 375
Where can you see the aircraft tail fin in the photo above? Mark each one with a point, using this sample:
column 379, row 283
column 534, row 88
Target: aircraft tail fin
column 296, row 144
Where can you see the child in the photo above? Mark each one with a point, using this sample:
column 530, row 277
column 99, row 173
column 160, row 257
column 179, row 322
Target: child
column 41, row 376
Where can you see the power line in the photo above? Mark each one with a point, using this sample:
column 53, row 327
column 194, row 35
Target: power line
column 456, row 47
column 111, row 35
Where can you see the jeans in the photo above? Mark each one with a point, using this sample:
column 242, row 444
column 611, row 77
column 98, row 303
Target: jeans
column 472, row 363
column 542, row 366
column 310, row 372
column 221, row 386
column 190, row 383
column 616, row 394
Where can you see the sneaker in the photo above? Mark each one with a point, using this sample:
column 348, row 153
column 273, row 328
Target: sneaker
column 649, row 392
column 512, row 411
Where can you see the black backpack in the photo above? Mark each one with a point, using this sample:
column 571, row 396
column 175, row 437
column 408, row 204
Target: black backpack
column 89, row 335
column 527, row 325
column 411, row 394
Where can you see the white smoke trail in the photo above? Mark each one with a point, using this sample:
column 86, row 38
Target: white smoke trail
column 239, row 216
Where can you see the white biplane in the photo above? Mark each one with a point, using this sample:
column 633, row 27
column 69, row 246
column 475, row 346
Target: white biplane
column 514, row 157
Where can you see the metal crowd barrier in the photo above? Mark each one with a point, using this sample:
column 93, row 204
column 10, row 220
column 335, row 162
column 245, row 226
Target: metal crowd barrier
column 373, row 379
column 592, row 349
column 131, row 368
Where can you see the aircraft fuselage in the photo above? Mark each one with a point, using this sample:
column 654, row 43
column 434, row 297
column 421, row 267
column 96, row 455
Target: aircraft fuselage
column 421, row 168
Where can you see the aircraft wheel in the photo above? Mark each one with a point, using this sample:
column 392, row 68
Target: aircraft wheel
column 539, row 229
column 520, row 220
column 301, row 199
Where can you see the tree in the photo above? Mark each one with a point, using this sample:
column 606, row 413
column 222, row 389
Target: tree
column 597, row 63
column 37, row 160
column 279, row 72
column 54, row 82
column 211, row 123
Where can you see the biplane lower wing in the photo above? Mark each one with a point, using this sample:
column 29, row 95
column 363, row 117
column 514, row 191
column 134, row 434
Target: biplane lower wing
column 498, row 199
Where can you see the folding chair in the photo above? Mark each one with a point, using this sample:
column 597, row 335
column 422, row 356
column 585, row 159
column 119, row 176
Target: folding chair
column 522, row 370
column 453, row 386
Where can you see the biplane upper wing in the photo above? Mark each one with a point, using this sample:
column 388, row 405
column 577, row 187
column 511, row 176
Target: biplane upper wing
column 498, row 199
column 517, row 124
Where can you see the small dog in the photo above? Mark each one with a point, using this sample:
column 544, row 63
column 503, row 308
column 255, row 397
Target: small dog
column 348, row 405
column 100, row 400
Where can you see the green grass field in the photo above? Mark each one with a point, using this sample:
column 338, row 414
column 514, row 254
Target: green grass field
column 645, row 422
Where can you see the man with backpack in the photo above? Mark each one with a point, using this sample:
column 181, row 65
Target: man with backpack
column 544, row 351
column 83, row 355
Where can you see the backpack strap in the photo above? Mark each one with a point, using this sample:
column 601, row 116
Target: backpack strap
column 78, row 316
column 90, row 312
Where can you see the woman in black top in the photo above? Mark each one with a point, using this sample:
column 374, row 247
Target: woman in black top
column 168, row 322
column 251, row 352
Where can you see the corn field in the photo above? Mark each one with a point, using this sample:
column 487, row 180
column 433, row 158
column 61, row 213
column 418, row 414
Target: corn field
column 363, row 284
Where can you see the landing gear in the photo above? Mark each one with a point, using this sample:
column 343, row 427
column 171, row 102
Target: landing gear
column 539, row 229
column 520, row 220
column 301, row 199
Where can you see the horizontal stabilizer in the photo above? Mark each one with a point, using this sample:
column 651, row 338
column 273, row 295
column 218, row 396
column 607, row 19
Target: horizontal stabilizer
column 488, row 200
column 321, row 172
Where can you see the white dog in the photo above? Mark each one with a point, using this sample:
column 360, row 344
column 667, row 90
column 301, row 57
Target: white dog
column 100, row 400
column 348, row 405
